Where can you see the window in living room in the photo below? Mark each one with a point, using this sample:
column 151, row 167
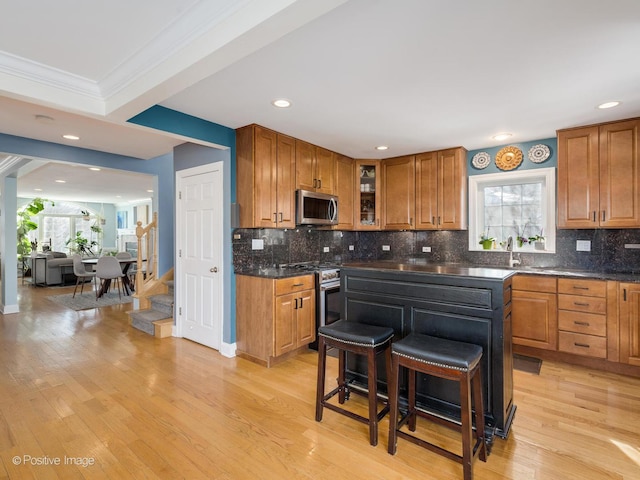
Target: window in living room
column 59, row 223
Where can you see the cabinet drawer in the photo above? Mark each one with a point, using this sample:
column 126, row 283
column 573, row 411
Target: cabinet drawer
column 294, row 284
column 534, row 283
column 578, row 303
column 580, row 344
column 574, row 286
column 587, row 323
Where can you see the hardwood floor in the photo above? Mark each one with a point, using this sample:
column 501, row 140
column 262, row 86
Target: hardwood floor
column 88, row 387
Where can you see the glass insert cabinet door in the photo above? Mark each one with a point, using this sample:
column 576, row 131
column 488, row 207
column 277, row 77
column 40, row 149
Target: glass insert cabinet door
column 368, row 194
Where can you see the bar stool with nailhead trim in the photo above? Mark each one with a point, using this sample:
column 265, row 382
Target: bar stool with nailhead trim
column 361, row 339
column 444, row 359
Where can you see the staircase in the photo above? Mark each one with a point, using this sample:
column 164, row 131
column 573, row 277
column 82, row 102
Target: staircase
column 157, row 320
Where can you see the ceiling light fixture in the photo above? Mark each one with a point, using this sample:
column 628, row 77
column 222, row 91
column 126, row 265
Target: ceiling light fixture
column 95, row 169
column 71, row 137
column 605, row 105
column 502, row 136
column 281, row 103
column 37, row 189
column 61, row 181
column 382, row 147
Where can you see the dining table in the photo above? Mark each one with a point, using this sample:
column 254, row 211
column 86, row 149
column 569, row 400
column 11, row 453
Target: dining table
column 125, row 263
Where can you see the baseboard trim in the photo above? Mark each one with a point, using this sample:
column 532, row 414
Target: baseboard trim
column 228, row 349
column 7, row 309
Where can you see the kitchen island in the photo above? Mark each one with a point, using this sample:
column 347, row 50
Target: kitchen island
column 467, row 304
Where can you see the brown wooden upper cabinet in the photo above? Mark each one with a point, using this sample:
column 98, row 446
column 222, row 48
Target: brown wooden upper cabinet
column 599, row 176
column 368, row 194
column 345, row 191
column 265, row 178
column 427, row 191
column 398, row 193
column 315, row 168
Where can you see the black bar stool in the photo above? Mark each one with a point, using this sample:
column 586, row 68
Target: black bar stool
column 444, row 359
column 362, row 339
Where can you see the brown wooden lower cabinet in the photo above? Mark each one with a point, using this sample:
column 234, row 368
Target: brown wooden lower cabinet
column 274, row 317
column 629, row 323
column 535, row 311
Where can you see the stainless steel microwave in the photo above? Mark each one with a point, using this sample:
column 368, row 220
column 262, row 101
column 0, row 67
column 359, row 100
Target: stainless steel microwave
column 313, row 208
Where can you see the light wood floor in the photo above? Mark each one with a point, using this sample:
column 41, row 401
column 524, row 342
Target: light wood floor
column 86, row 386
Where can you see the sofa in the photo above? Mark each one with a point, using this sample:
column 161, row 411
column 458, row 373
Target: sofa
column 52, row 268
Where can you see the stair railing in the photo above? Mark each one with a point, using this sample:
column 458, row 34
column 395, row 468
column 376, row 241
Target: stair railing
column 147, row 252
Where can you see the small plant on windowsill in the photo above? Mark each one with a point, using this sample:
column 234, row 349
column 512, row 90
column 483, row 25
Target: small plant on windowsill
column 486, row 240
column 521, row 239
column 537, row 241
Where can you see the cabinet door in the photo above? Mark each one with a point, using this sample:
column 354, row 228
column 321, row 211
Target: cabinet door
column 619, row 175
column 398, row 193
column 367, row 195
column 452, row 189
column 305, row 166
column 306, row 318
column 534, row 319
column 630, row 323
column 285, row 323
column 345, row 190
column 578, row 173
column 265, row 173
column 285, row 185
column 325, row 170
column 427, row 191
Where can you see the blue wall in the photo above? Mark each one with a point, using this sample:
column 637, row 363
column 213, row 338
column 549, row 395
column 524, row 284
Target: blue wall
column 526, row 164
column 191, row 155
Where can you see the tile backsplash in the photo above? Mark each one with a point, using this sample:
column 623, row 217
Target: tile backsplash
column 608, row 250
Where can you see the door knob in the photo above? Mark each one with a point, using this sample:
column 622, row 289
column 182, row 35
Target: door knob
column 214, row 270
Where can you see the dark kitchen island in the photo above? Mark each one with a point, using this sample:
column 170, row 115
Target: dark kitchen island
column 467, row 304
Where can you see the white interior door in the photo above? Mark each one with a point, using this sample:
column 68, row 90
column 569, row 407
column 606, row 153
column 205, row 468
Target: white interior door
column 199, row 254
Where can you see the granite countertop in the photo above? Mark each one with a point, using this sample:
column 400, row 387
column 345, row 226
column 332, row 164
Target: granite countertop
column 273, row 272
column 456, row 269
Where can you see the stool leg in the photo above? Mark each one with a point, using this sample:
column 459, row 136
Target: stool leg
column 412, row 400
column 479, row 406
column 372, row 375
column 342, row 366
column 393, row 385
column 466, row 428
column 322, row 362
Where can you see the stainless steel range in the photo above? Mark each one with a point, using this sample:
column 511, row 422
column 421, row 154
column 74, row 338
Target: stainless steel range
column 327, row 292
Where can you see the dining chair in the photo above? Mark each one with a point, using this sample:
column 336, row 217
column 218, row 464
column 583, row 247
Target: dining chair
column 123, row 256
column 107, row 269
column 81, row 273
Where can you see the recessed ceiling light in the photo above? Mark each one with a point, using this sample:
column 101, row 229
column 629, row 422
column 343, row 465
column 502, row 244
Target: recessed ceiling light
column 71, row 137
column 61, row 181
column 281, row 103
column 149, row 191
column 608, row 105
column 382, row 147
column 95, row 169
column 502, row 136
column 38, row 189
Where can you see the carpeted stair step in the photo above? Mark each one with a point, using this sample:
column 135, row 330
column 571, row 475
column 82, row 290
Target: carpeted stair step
column 162, row 303
column 144, row 319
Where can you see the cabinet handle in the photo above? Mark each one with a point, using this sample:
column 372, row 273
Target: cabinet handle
column 296, row 307
column 624, row 294
column 578, row 304
column 584, row 324
column 411, row 221
column 315, row 183
column 275, row 217
column 578, row 287
column 298, row 284
column 438, row 220
column 584, row 345
column 603, row 218
column 281, row 217
column 320, row 183
column 301, row 299
column 433, row 220
column 594, row 215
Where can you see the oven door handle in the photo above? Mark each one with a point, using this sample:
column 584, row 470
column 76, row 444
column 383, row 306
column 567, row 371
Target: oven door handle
column 329, row 285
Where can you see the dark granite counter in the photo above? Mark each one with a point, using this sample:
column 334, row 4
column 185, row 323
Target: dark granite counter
column 445, row 269
column 273, row 272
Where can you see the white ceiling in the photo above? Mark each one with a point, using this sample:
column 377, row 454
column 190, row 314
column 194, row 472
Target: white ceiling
column 416, row 75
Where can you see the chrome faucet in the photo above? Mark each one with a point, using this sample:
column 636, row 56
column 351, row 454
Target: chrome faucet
column 512, row 261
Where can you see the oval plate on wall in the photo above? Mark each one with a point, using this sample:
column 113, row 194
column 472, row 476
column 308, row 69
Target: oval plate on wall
column 508, row 158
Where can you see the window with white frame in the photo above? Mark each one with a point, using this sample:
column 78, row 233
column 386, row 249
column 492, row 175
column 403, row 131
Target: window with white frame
column 519, row 204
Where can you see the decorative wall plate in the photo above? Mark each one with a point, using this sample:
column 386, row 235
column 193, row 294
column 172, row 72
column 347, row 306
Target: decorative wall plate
column 538, row 153
column 508, row 158
column 481, row 160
